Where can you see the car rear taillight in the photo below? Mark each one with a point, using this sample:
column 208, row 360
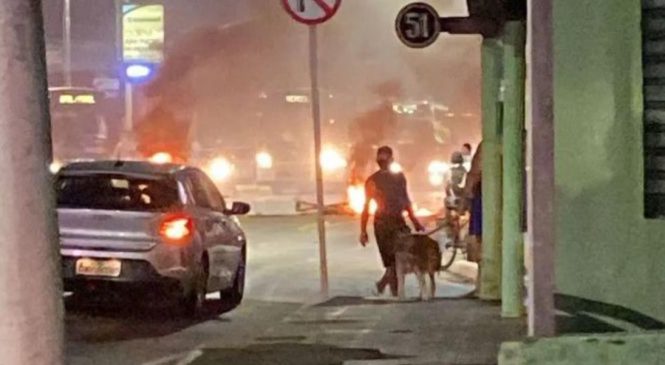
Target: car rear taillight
column 177, row 229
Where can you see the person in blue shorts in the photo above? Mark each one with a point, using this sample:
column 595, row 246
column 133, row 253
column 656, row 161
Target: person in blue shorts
column 473, row 190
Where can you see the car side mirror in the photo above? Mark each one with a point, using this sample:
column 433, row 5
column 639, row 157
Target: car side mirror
column 239, row 208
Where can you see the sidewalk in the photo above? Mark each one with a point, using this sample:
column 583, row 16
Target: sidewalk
column 354, row 331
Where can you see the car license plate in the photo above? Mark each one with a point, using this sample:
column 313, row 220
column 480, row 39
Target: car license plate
column 91, row 267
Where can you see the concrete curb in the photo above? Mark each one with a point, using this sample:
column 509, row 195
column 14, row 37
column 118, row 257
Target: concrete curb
column 646, row 348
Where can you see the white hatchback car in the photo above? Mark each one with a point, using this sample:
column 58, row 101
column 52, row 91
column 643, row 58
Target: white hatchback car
column 135, row 227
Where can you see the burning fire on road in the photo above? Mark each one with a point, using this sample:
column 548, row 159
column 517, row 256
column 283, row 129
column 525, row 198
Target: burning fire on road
column 356, row 196
column 161, row 158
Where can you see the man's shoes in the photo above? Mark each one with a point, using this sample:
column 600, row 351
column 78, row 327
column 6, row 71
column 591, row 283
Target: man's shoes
column 380, row 288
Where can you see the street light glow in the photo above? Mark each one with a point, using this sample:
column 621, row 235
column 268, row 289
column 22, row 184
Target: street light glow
column 437, row 171
column 395, row 168
column 331, row 160
column 220, row 169
column 264, row 160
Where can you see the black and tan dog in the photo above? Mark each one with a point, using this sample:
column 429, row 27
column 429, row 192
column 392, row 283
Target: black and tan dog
column 419, row 254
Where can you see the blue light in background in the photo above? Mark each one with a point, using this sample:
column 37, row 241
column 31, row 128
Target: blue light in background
column 137, row 73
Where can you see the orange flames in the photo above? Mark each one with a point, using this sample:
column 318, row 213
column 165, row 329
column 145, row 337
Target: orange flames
column 161, row 158
column 160, row 131
column 356, row 197
column 422, row 212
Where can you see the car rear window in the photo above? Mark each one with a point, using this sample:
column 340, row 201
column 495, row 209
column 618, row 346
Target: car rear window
column 116, row 192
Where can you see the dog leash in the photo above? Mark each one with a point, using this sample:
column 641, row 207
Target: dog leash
column 432, row 231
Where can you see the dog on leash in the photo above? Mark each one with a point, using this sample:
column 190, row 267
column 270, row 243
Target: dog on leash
column 419, row 254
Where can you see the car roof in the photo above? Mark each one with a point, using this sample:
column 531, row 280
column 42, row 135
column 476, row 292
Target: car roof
column 71, row 88
column 122, row 167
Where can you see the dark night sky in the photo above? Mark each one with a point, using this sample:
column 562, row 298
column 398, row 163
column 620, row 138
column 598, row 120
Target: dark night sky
column 93, row 20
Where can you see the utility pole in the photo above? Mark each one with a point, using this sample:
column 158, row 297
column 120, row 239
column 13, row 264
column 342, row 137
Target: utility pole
column 31, row 324
column 67, row 41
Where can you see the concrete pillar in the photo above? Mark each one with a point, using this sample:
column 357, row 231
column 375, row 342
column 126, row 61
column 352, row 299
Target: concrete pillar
column 541, row 177
column 514, row 71
column 31, row 314
column 490, row 279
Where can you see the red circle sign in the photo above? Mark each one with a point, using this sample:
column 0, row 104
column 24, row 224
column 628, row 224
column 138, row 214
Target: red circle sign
column 311, row 11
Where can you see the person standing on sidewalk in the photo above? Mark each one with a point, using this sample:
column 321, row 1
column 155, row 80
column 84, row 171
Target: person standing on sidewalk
column 473, row 191
column 455, row 181
column 388, row 190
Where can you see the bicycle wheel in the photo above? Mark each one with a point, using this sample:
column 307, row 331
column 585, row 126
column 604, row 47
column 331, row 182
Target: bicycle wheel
column 448, row 254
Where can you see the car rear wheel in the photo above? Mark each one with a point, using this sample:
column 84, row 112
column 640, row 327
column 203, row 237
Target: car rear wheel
column 193, row 302
column 233, row 296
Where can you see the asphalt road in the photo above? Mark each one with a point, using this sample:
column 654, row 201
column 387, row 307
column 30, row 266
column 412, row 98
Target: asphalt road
column 283, row 281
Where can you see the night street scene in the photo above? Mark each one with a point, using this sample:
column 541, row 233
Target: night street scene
column 332, row 182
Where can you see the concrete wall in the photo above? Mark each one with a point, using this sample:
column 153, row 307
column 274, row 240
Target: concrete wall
column 606, row 250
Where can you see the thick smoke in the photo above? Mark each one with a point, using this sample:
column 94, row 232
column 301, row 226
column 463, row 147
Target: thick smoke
column 218, row 73
column 171, row 97
column 371, row 129
column 358, row 55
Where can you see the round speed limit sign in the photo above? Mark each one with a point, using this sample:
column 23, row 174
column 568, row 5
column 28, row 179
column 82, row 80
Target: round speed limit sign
column 417, row 25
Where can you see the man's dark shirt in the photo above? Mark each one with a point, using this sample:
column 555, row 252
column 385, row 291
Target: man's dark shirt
column 388, row 190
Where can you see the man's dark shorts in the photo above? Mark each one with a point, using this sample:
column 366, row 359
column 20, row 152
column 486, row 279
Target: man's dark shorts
column 387, row 230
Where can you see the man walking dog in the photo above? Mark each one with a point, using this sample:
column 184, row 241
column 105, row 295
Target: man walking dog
column 388, row 190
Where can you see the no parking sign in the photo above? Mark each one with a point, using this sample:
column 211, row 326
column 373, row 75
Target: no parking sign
column 311, row 12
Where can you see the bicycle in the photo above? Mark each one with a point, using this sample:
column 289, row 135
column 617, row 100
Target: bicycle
column 455, row 233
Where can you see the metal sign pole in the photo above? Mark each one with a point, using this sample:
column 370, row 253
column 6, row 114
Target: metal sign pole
column 316, row 116
column 129, row 108
column 129, row 89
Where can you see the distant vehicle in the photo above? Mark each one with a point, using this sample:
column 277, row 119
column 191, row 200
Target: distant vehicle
column 155, row 228
column 79, row 128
